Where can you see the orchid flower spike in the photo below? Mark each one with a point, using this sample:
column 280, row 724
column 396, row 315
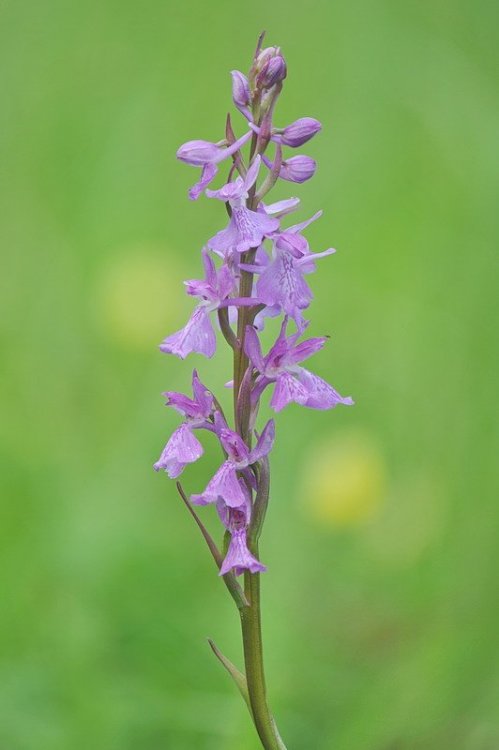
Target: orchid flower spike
column 254, row 268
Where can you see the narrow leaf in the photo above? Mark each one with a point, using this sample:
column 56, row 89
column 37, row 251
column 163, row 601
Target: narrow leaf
column 238, row 677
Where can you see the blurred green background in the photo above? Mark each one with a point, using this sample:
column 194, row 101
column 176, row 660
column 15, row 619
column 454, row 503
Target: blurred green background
column 381, row 618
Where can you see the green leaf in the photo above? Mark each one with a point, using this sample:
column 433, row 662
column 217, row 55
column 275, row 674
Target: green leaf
column 238, row 677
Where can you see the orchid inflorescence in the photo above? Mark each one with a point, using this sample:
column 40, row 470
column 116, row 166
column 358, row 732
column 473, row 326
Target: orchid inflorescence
column 254, row 269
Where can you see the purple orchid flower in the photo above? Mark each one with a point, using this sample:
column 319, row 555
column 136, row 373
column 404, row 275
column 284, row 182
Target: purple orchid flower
column 207, row 155
column 225, row 484
column 281, row 285
column 292, row 382
column 196, row 336
column 246, row 228
column 183, row 447
column 214, row 291
column 238, row 557
column 236, row 521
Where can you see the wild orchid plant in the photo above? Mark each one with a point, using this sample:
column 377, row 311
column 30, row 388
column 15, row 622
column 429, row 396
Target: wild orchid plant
column 245, row 284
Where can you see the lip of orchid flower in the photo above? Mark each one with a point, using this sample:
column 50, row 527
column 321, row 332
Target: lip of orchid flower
column 292, row 382
column 225, row 485
column 207, row 155
column 239, row 558
column 236, row 521
column 246, row 228
column 182, row 448
column 196, row 336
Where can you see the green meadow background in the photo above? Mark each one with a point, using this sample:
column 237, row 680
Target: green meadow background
column 380, row 604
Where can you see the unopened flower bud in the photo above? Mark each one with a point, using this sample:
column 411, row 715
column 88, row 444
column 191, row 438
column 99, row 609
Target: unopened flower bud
column 198, row 153
column 265, row 55
column 240, row 90
column 300, row 131
column 269, row 68
column 273, row 72
column 298, row 169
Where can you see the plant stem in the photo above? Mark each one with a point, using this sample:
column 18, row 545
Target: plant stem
column 253, row 659
column 250, row 615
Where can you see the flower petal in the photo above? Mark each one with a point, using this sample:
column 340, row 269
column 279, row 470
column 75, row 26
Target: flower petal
column 225, row 486
column 252, row 173
column 252, row 348
column 287, row 389
column 196, row 336
column 203, row 396
column 320, row 395
column 183, row 404
column 239, row 558
column 182, row 448
column 280, row 208
column 264, row 443
column 303, row 350
column 208, row 173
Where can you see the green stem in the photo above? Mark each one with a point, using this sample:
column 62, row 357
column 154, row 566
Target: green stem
column 250, row 615
column 253, row 659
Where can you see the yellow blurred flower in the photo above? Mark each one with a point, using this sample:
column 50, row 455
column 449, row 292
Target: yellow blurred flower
column 138, row 297
column 344, row 479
